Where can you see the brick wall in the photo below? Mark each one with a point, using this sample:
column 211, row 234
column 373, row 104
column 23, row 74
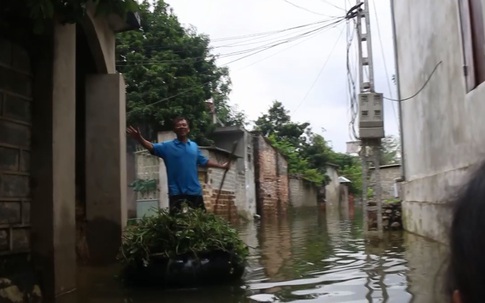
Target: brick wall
column 388, row 175
column 211, row 179
column 272, row 192
column 15, row 144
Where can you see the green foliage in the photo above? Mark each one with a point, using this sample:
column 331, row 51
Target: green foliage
column 170, row 72
column 144, row 186
column 193, row 232
column 353, row 172
column 296, row 164
column 390, row 150
column 392, row 201
column 277, row 122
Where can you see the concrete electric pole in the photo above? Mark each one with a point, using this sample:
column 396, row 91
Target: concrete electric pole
column 371, row 124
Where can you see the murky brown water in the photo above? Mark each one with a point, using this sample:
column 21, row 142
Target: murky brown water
column 312, row 256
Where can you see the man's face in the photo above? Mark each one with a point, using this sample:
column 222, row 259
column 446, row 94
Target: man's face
column 182, row 128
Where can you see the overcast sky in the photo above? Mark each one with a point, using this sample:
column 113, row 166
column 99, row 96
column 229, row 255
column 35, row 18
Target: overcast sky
column 308, row 75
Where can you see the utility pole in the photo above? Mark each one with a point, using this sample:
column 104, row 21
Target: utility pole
column 371, row 124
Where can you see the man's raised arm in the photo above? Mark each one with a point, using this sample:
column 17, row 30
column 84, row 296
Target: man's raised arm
column 136, row 134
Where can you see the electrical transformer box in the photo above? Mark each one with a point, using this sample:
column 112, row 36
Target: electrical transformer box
column 371, row 116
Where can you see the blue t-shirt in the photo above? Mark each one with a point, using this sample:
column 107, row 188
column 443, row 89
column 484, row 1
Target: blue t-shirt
column 181, row 160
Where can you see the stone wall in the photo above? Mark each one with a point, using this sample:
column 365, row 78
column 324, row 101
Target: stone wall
column 303, row 193
column 388, row 175
column 15, row 146
column 272, row 190
column 391, row 215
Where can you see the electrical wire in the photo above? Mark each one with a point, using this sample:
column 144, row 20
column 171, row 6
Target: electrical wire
column 331, row 4
column 303, row 8
column 244, row 52
column 282, row 50
column 319, row 73
column 420, row 90
column 208, row 82
column 385, row 63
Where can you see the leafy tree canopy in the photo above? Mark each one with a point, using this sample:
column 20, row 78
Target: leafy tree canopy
column 170, row 72
column 277, row 122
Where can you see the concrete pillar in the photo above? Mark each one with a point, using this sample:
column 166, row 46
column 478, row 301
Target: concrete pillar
column 106, row 210
column 53, row 166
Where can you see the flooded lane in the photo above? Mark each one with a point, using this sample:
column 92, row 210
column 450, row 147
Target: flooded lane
column 311, row 256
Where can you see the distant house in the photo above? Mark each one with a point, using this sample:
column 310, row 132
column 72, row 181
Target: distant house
column 443, row 125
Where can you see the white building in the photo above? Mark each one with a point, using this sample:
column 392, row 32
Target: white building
column 443, row 129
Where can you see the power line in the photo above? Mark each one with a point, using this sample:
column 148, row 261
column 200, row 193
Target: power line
column 421, row 89
column 250, row 51
column 208, row 82
column 331, row 4
column 291, row 46
column 303, row 8
column 279, row 43
column 319, row 73
column 385, row 64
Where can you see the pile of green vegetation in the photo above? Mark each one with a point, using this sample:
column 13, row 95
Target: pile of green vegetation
column 190, row 233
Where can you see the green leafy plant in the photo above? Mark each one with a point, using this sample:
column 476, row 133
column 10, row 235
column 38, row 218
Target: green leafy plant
column 392, row 201
column 191, row 233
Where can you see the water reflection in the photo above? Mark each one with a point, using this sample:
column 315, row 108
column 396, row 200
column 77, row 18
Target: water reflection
column 313, row 256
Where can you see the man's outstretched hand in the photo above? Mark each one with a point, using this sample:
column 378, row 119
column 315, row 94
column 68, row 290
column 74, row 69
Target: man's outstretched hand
column 134, row 133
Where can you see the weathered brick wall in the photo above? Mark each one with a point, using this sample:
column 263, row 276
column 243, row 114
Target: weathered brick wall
column 272, row 193
column 388, row 175
column 303, row 193
column 15, row 145
column 211, row 181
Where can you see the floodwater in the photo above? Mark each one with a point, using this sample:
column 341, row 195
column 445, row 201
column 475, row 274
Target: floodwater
column 311, row 256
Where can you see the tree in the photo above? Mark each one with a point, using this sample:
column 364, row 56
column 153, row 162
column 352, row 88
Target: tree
column 390, row 150
column 278, row 122
column 297, row 165
column 170, row 72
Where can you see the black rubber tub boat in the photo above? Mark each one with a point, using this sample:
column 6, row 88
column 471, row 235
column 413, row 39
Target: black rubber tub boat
column 217, row 267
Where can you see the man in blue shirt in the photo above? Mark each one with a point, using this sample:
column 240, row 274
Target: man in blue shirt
column 181, row 157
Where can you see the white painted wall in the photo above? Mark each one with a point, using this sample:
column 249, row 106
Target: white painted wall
column 443, row 125
column 164, row 136
column 332, row 189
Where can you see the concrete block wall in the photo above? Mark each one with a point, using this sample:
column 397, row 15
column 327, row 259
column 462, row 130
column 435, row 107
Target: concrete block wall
column 332, row 189
column 272, row 191
column 224, row 137
column 15, row 146
column 147, row 167
column 303, row 193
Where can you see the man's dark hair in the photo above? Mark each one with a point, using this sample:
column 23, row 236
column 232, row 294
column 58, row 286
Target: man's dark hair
column 178, row 119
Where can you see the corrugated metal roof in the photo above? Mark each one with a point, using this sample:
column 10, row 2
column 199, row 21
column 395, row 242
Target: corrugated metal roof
column 342, row 179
